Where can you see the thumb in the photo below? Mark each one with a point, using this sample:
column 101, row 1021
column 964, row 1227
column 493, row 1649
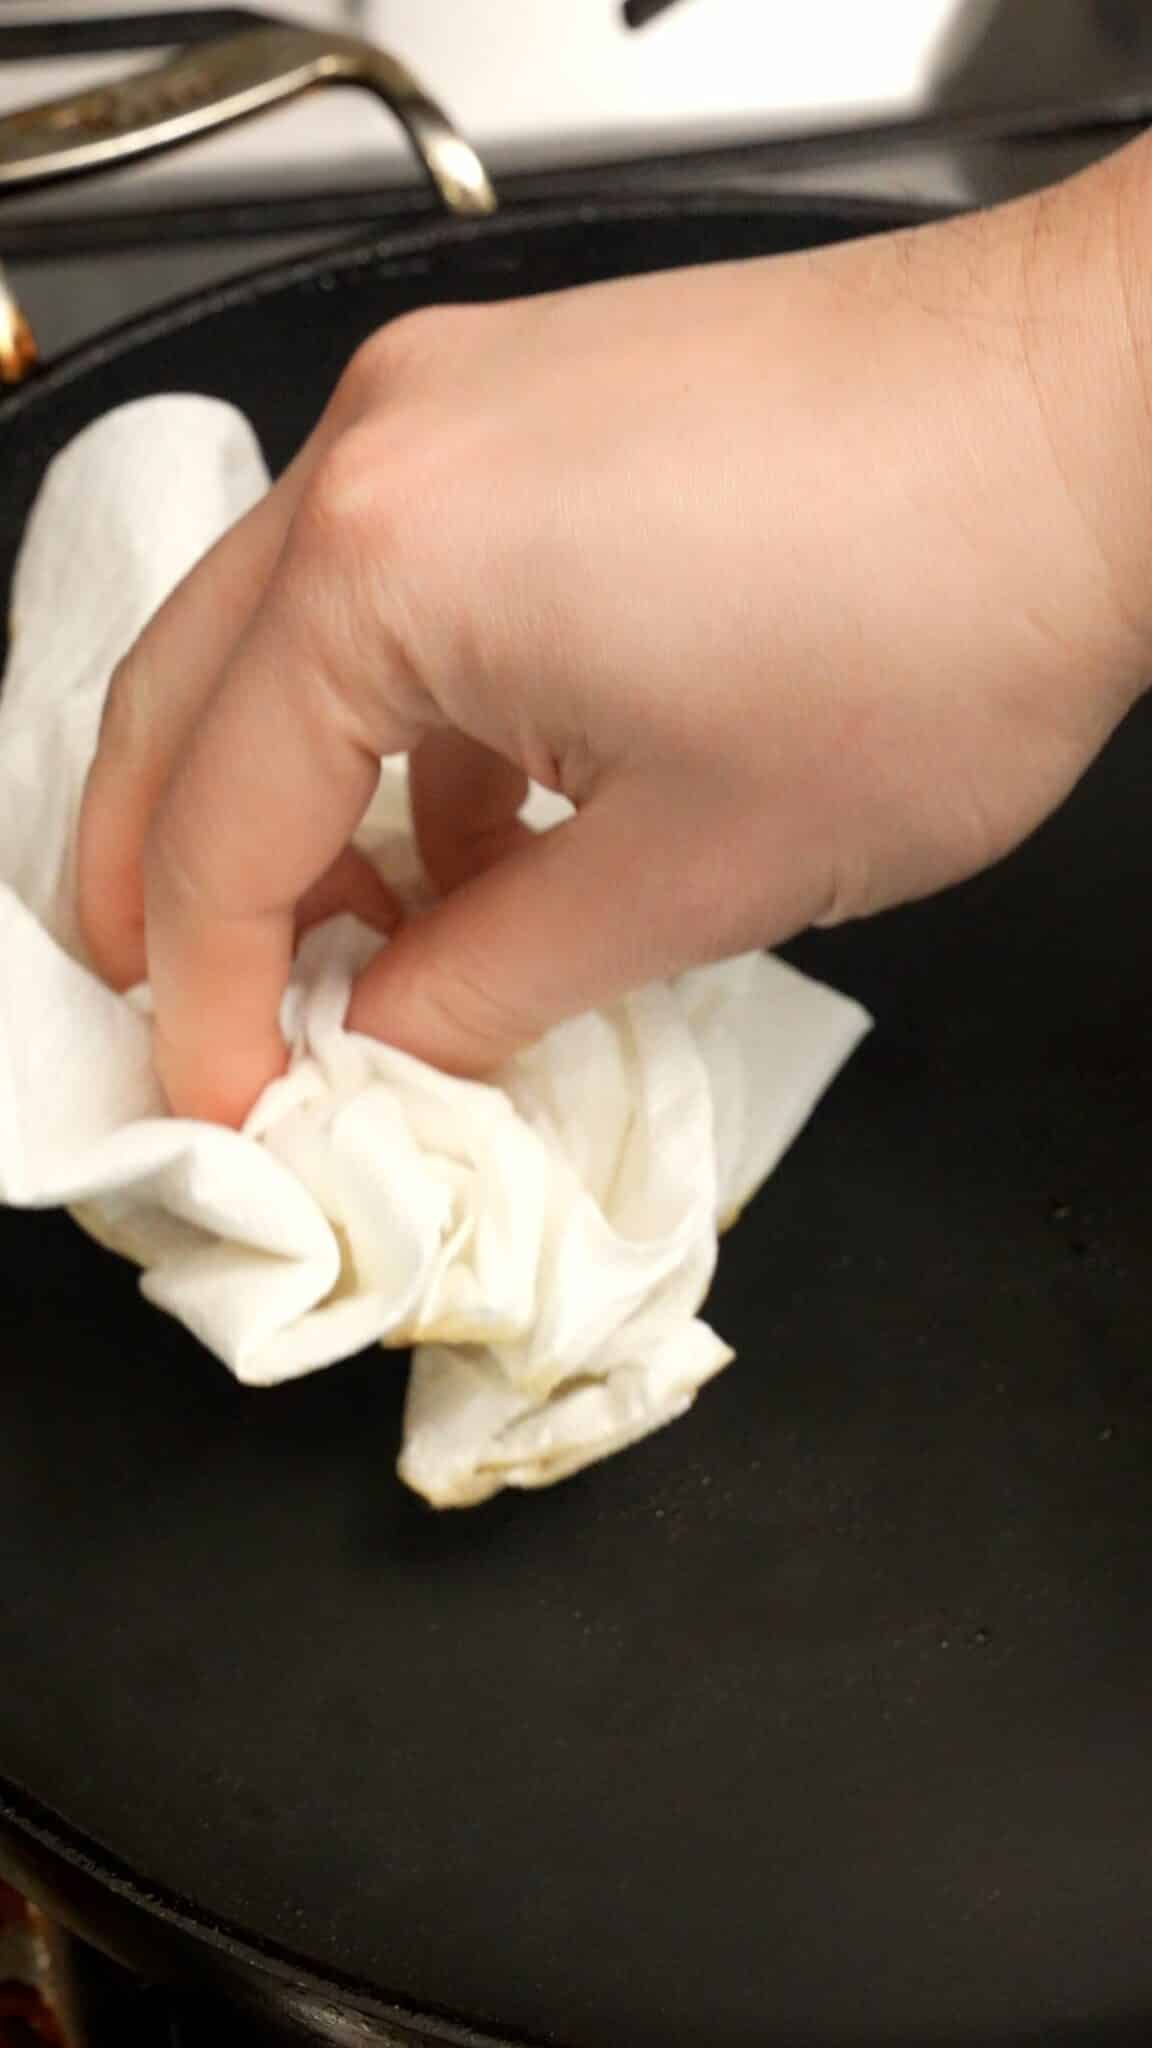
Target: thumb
column 618, row 896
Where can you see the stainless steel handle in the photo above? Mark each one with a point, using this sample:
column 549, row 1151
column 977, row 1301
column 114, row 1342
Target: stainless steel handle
column 211, row 86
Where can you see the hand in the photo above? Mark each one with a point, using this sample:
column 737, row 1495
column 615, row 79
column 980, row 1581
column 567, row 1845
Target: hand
column 814, row 583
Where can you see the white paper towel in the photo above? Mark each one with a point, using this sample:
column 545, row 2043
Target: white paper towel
column 544, row 1243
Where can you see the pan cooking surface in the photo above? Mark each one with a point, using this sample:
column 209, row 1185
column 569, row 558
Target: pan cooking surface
column 821, row 1718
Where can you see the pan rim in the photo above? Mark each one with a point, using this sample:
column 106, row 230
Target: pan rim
column 332, row 263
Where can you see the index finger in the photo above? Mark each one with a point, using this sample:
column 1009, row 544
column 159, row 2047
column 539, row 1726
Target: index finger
column 274, row 781
column 156, row 694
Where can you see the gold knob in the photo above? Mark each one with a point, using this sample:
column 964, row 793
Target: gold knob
column 18, row 352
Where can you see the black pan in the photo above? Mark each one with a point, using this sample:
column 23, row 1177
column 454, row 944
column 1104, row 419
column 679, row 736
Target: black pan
column 824, row 1717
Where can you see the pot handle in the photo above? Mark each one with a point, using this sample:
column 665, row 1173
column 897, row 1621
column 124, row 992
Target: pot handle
column 209, row 87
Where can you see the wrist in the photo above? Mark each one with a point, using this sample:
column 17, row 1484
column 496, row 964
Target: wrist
column 1084, row 280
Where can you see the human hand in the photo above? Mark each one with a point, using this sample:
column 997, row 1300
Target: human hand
column 814, row 583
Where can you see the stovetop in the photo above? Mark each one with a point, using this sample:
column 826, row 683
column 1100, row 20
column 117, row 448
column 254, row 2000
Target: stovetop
column 552, row 82
column 541, row 83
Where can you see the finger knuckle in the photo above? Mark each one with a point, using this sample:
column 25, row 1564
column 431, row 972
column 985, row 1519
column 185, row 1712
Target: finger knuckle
column 375, row 502
column 406, row 348
column 365, row 377
column 347, row 497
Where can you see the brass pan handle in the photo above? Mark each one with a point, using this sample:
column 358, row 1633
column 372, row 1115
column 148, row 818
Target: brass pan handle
column 209, row 87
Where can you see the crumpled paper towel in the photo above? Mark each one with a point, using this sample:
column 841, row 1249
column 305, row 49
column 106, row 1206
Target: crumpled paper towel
column 544, row 1242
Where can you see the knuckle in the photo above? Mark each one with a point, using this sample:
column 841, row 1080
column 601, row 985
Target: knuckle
column 354, row 623
column 365, row 378
column 374, row 488
column 406, row 347
column 346, row 497
column 376, row 498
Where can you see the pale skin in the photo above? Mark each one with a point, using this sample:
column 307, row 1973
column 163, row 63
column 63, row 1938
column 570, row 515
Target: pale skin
column 815, row 583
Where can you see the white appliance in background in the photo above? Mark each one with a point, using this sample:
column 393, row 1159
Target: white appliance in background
column 531, row 82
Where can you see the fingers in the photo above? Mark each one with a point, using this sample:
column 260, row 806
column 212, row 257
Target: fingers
column 158, row 692
column 465, row 801
column 152, row 704
column 351, row 885
column 272, row 783
column 161, row 687
column 638, row 886
column 163, row 684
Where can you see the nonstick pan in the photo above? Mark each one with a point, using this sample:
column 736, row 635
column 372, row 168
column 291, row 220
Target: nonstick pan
column 824, row 1717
